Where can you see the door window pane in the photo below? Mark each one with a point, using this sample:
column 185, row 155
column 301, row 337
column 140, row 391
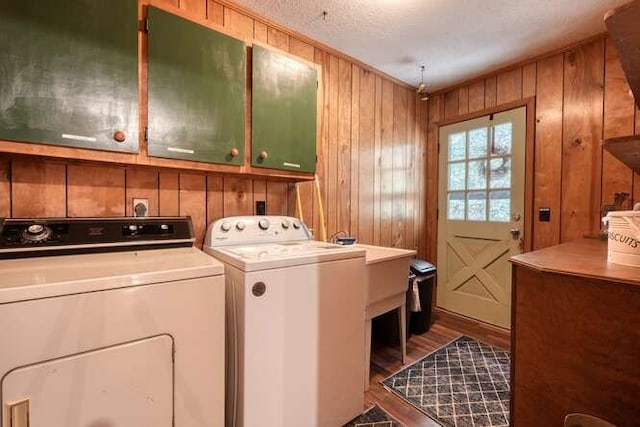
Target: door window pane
column 455, row 206
column 501, row 140
column 456, row 176
column 478, row 143
column 500, row 173
column 500, row 206
column 477, row 206
column 477, row 175
column 457, row 146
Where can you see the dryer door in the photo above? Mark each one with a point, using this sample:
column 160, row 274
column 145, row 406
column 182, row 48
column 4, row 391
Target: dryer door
column 125, row 385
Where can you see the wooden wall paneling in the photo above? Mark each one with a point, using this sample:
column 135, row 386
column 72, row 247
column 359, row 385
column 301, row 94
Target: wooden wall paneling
column 169, row 193
column 619, row 110
column 377, row 166
column 366, row 157
column 142, row 184
column 215, row 198
column 451, row 104
column 529, row 80
column 277, row 198
column 215, row 12
column 260, row 31
column 343, row 190
column 399, row 174
column 411, row 163
column 509, row 86
column 195, row 8
column 354, row 179
column 636, row 176
column 5, row 187
column 238, row 196
column 175, row 3
column 399, row 167
column 463, row 100
column 95, row 191
column 476, row 96
column 278, row 39
column 434, row 115
column 238, row 24
column 421, row 178
column 193, row 203
column 548, row 150
column 322, row 169
column 301, row 49
column 490, row 94
column 329, row 184
column 38, row 188
column 386, row 165
column 582, row 132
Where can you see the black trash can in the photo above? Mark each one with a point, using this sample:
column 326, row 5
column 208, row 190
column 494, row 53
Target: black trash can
column 419, row 296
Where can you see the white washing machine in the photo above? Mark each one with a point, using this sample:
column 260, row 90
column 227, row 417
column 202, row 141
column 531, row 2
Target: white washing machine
column 295, row 318
column 109, row 323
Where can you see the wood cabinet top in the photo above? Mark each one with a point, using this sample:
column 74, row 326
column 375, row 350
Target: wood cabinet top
column 585, row 258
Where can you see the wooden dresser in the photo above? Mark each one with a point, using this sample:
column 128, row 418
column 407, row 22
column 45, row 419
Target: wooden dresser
column 575, row 336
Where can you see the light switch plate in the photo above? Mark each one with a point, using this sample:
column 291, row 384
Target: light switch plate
column 140, row 207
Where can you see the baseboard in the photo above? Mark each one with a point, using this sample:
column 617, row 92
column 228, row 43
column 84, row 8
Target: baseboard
column 465, row 324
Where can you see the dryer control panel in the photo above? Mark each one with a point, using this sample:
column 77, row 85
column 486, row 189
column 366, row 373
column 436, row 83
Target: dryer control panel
column 247, row 230
column 21, row 238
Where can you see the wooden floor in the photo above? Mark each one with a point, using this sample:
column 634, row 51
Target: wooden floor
column 386, row 361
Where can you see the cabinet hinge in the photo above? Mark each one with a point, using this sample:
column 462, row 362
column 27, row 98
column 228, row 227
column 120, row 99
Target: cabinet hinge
column 146, row 25
column 438, row 148
column 146, row 134
column 437, row 214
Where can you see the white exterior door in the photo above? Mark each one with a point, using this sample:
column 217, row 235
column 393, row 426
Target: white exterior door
column 481, row 209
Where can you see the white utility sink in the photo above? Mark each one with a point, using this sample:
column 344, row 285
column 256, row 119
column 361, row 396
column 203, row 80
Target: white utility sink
column 387, row 272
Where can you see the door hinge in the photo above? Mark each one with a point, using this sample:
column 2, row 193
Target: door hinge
column 437, row 214
column 146, row 25
column 438, row 148
column 146, row 134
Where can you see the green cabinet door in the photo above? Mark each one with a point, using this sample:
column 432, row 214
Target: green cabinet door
column 196, row 91
column 69, row 73
column 284, row 108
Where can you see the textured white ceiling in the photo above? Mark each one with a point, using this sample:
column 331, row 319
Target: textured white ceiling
column 455, row 39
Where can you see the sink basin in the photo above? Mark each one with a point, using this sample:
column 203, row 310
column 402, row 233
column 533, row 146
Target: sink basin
column 387, row 270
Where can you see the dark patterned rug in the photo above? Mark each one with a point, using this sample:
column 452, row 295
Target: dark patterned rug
column 374, row 417
column 465, row 383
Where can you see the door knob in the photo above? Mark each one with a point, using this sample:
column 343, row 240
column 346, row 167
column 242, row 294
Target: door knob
column 515, row 233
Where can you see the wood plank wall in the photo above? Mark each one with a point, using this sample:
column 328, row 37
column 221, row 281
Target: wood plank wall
column 371, row 151
column 581, row 97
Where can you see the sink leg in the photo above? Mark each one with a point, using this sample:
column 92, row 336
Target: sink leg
column 367, row 352
column 403, row 331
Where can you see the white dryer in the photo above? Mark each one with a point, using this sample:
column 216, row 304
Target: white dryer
column 295, row 317
column 109, row 323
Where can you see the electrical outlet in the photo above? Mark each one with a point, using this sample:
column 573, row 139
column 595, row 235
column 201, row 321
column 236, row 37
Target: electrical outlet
column 140, row 207
column 261, row 207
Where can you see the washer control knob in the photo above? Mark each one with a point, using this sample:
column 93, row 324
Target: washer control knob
column 226, row 226
column 264, row 224
column 296, row 225
column 240, row 225
column 286, row 224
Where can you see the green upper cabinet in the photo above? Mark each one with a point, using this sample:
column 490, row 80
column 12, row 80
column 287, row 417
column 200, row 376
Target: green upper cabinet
column 197, row 83
column 284, row 108
column 69, row 73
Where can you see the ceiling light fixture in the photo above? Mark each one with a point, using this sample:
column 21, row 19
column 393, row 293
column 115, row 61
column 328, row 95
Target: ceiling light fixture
column 422, row 87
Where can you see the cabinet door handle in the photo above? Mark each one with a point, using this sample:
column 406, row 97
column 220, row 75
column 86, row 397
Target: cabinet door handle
column 263, row 155
column 18, row 413
column 234, row 152
column 119, row 136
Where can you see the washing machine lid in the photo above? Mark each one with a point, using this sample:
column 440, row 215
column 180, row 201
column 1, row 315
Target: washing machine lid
column 282, row 254
column 32, row 278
